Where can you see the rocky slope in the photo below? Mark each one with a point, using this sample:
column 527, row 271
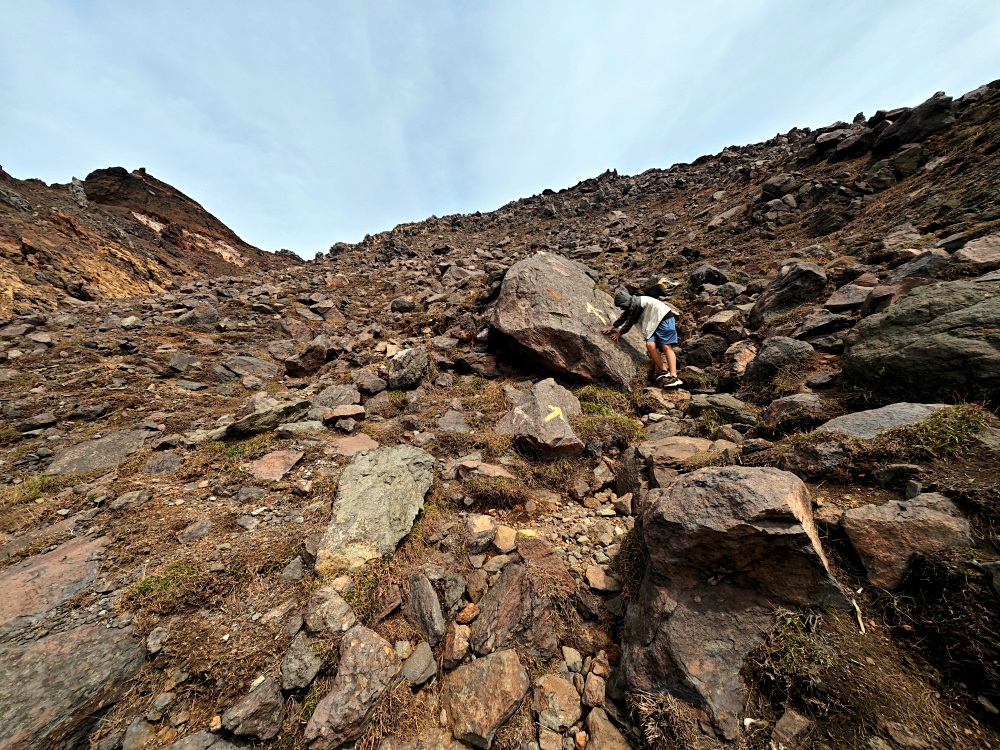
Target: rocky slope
column 406, row 495
column 115, row 234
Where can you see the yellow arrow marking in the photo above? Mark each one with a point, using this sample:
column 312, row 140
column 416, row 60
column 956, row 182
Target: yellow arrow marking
column 595, row 311
column 556, row 412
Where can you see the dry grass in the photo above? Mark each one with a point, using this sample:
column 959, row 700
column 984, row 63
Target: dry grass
column 666, row 723
column 497, row 493
column 853, row 684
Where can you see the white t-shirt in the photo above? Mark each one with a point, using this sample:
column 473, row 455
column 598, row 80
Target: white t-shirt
column 653, row 311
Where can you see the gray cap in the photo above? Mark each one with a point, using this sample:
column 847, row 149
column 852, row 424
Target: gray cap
column 622, row 297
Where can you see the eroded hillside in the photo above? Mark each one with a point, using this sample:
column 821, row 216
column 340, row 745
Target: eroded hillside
column 407, row 495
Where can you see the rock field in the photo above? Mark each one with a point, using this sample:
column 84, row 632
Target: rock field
column 407, row 496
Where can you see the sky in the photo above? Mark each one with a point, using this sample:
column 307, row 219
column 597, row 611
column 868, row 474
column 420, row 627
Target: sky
column 300, row 124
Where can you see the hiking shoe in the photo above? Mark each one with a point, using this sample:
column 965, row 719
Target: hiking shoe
column 662, row 375
column 671, row 381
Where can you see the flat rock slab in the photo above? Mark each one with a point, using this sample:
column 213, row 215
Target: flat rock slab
column 36, row 585
column 56, row 687
column 479, row 697
column 539, row 423
column 163, row 464
column 348, row 446
column 887, row 536
column 871, row 423
column 103, row 453
column 550, row 310
column 274, row 466
column 685, row 636
column 378, row 496
column 368, row 667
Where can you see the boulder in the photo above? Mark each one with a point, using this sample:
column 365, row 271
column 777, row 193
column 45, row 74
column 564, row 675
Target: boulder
column 368, row 668
column 727, row 546
column 938, row 337
column 101, row 453
column 378, row 496
column 872, row 422
column 795, row 284
column 887, row 536
column 479, row 697
column 916, row 124
column 726, row 408
column 407, row 368
column 539, row 423
column 56, row 687
column 550, row 312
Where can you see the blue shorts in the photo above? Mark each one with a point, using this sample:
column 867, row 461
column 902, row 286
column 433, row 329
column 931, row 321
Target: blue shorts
column 665, row 333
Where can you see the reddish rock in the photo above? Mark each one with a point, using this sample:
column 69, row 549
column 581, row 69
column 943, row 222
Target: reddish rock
column 513, row 611
column 602, row 733
column 484, row 694
column 348, row 446
column 456, row 645
column 556, row 703
column 887, row 536
column 55, row 688
column 750, row 532
column 274, row 466
column 33, row 587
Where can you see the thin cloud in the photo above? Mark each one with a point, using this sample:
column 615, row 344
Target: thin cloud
column 311, row 123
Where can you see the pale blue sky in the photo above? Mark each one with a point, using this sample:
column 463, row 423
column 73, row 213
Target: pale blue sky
column 300, row 124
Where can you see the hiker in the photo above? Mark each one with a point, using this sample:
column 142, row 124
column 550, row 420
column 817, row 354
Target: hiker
column 656, row 324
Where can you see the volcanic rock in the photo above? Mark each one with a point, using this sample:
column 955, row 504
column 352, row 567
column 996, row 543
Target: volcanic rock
column 539, row 423
column 750, row 532
column 481, row 696
column 368, row 666
column 550, row 311
column 887, row 536
column 938, row 337
column 378, row 496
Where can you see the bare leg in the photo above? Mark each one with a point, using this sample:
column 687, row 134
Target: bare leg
column 654, row 354
column 668, row 352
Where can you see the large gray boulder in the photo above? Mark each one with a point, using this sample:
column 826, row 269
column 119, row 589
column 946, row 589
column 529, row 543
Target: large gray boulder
column 727, row 547
column 795, row 284
column 539, row 423
column 937, row 338
column 550, row 311
column 378, row 496
column 55, row 688
column 872, row 422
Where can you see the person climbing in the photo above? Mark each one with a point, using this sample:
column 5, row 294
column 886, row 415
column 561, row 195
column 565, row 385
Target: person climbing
column 656, row 325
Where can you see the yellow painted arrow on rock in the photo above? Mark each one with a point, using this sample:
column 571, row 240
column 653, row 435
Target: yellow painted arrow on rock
column 556, row 412
column 595, row 311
